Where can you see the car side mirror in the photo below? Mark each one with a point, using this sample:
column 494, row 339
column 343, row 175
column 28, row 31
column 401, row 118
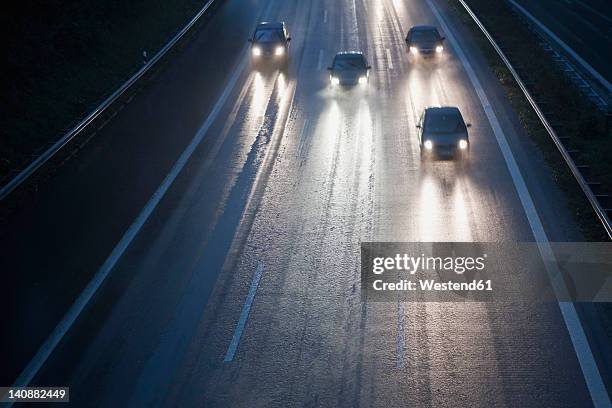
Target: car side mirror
column 442, row 38
column 288, row 38
column 468, row 125
column 369, row 67
column 418, row 126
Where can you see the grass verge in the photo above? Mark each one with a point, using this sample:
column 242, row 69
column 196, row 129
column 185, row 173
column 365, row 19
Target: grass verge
column 579, row 119
column 64, row 58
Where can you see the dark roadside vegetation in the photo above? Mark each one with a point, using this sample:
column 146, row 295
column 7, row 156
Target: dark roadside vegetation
column 580, row 121
column 576, row 116
column 63, row 58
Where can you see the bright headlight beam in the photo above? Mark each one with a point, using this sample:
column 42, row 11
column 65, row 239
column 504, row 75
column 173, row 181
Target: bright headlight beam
column 428, row 145
column 463, row 144
column 363, row 80
column 256, row 51
column 334, row 80
column 439, row 49
column 279, row 51
column 414, row 50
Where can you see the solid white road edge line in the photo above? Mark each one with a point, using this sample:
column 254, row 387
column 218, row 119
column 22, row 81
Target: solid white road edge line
column 246, row 308
column 581, row 345
column 77, row 307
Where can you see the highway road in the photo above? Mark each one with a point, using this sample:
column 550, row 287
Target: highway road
column 267, row 213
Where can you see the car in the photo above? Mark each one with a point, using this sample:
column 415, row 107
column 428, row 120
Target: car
column 424, row 40
column 349, row 68
column 442, row 131
column 270, row 42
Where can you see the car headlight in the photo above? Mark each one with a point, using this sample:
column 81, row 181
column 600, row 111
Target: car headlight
column 439, row 49
column 414, row 50
column 428, row 144
column 334, row 80
column 279, row 51
column 256, row 51
column 363, row 80
column 463, row 144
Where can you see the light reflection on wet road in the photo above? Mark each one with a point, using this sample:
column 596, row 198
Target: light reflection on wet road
column 336, row 167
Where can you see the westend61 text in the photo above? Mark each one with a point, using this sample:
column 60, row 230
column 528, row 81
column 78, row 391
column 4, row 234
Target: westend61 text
column 432, row 285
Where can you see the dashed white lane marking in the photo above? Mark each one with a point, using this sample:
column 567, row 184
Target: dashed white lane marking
column 302, row 139
column 389, row 60
column 320, row 62
column 231, row 350
column 401, row 336
column 354, row 39
column 581, row 345
column 77, row 307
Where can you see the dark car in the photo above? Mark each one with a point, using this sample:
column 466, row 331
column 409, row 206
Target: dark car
column 442, row 131
column 270, row 41
column 424, row 40
column 349, row 68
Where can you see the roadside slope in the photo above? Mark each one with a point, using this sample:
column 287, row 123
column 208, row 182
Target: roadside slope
column 63, row 58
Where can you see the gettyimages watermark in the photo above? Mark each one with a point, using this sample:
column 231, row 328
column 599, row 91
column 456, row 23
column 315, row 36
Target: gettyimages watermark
column 486, row 272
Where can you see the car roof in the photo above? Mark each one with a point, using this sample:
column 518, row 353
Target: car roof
column 423, row 28
column 442, row 109
column 270, row 25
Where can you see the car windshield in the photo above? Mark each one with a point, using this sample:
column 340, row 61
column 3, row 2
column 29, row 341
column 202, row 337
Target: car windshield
column 444, row 122
column 268, row 35
column 349, row 62
column 425, row 36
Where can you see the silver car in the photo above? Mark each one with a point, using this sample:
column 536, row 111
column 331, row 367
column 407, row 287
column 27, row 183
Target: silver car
column 349, row 69
column 443, row 132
